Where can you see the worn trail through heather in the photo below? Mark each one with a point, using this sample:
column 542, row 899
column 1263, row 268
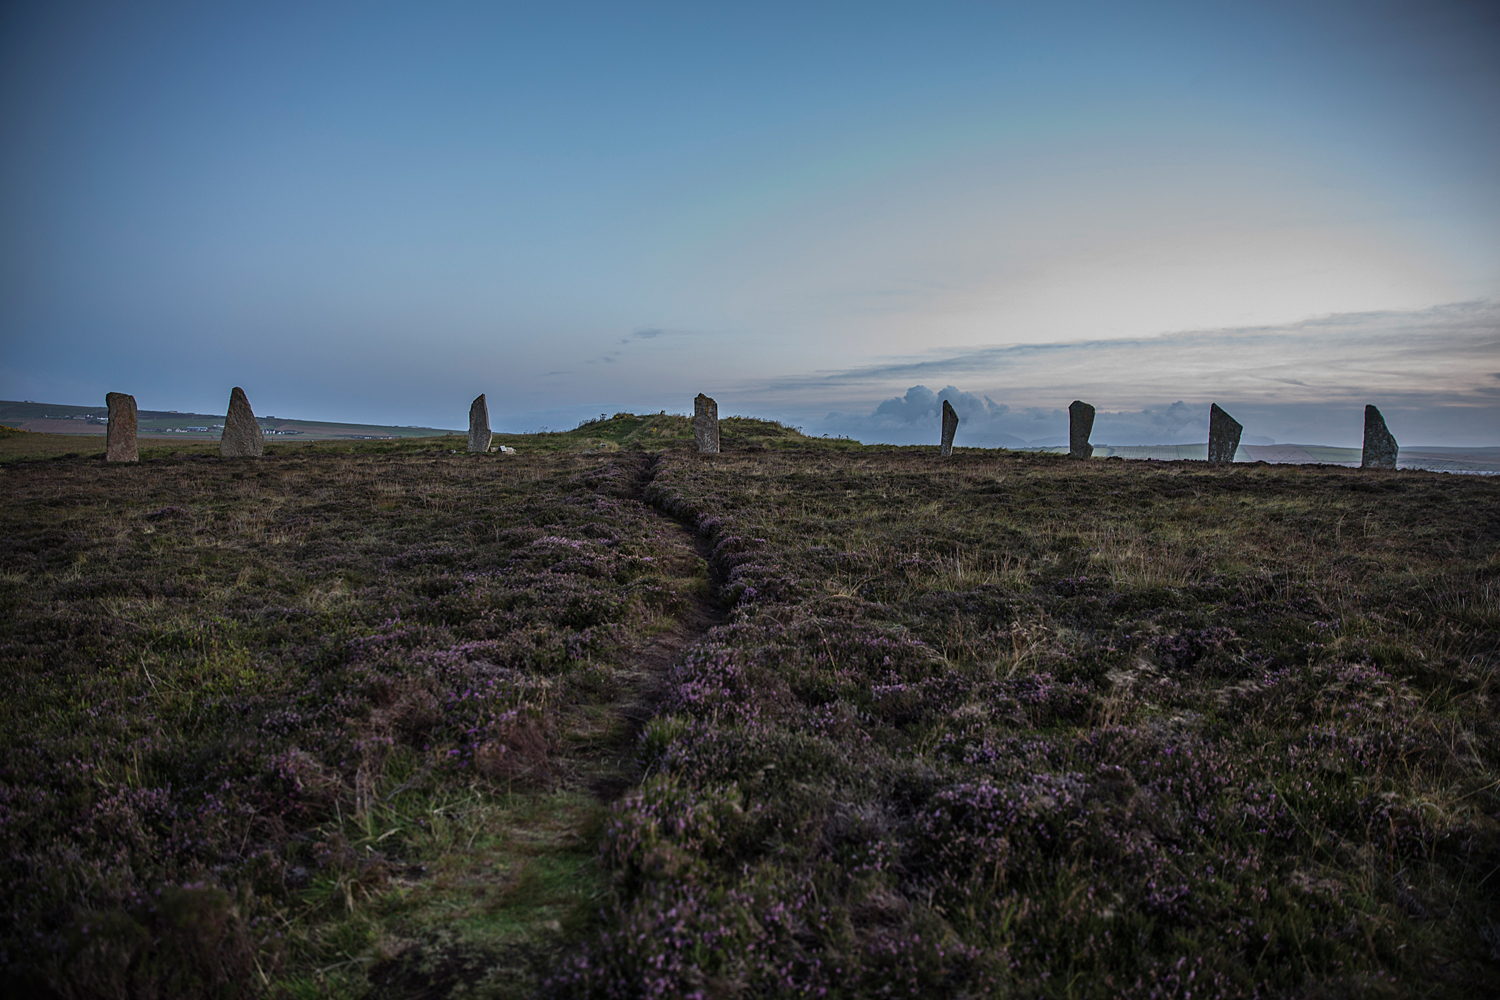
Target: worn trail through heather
column 613, row 767
column 600, row 761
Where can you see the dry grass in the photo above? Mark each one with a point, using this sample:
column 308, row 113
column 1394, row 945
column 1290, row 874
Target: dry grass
column 997, row 725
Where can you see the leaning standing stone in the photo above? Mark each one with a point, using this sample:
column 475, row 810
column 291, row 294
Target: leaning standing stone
column 120, row 437
column 1380, row 446
column 1080, row 426
column 950, row 426
column 706, row 424
column 242, row 437
column 479, row 426
column 1223, row 436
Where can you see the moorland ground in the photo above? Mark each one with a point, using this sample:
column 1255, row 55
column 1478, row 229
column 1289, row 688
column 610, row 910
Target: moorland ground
column 609, row 718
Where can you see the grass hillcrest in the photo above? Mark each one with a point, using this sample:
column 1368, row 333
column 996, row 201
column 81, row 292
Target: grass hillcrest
column 608, row 718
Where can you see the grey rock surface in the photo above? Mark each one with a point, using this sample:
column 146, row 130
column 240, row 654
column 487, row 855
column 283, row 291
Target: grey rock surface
column 1223, row 436
column 1080, row 426
column 1380, row 445
column 242, row 437
column 706, row 424
column 119, row 439
column 950, row 426
column 479, row 425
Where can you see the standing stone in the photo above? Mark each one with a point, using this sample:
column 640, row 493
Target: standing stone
column 120, row 437
column 706, row 424
column 1080, row 426
column 479, row 426
column 950, row 426
column 1380, row 447
column 1223, row 436
column 242, row 437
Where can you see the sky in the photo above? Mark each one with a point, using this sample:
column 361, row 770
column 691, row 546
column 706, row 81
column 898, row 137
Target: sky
column 830, row 214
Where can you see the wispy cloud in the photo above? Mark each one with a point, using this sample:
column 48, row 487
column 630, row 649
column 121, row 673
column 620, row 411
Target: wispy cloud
column 642, row 333
column 1447, row 348
column 1287, row 380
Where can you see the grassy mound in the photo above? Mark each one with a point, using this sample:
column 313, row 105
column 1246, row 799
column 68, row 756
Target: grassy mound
column 662, row 430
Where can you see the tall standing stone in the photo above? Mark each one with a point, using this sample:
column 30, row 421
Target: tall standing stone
column 120, row 438
column 1380, row 446
column 706, row 424
column 479, row 426
column 950, row 427
column 1080, row 426
column 1223, row 436
column 242, row 437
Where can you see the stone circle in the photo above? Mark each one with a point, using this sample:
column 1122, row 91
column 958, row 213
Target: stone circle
column 1080, row 426
column 1223, row 436
column 950, row 427
column 479, row 426
column 1380, row 448
column 242, row 437
column 706, row 424
column 119, row 438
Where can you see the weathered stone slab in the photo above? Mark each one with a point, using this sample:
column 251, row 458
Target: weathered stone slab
column 479, row 425
column 1080, row 426
column 950, row 426
column 706, row 424
column 1223, row 436
column 119, row 439
column 242, row 437
column 1380, row 445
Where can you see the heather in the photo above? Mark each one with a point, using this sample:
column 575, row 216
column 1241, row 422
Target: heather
column 607, row 718
column 340, row 719
column 1019, row 726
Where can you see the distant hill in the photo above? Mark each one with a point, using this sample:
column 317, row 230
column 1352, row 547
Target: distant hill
column 61, row 418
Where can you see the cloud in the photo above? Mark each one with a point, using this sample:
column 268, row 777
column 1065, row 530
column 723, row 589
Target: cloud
column 913, row 417
column 1430, row 371
column 1446, row 348
column 643, row 333
column 921, row 403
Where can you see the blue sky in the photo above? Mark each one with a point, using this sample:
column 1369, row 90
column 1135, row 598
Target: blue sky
column 376, row 211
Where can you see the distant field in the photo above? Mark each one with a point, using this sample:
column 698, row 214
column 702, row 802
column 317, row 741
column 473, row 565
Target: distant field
column 56, row 418
column 607, row 718
column 16, row 445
